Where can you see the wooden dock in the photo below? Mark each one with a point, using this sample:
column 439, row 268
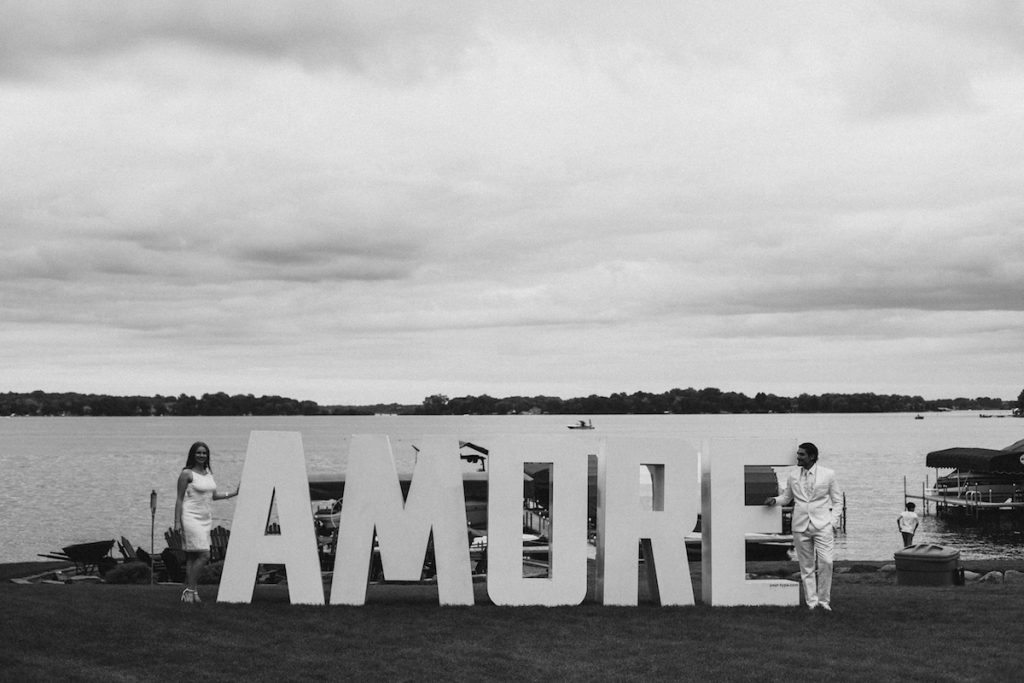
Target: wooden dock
column 974, row 501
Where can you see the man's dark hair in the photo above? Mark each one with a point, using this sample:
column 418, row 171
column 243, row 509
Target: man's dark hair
column 811, row 450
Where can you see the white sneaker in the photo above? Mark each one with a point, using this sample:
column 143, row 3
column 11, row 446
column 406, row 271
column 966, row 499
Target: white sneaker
column 825, row 606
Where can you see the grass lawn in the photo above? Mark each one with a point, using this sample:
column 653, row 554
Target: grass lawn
column 879, row 632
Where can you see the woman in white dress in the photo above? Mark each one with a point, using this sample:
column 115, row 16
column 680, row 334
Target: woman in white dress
column 192, row 515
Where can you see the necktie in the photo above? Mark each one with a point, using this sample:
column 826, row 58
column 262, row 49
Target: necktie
column 808, row 481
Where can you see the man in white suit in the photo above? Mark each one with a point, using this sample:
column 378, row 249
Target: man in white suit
column 817, row 505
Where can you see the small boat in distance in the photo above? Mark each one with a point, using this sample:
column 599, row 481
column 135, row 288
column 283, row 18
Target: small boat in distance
column 919, row 417
column 582, row 425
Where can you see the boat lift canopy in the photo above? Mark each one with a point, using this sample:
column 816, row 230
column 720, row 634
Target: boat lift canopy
column 978, row 459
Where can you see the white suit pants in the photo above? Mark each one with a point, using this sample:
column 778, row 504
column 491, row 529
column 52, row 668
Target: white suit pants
column 815, row 549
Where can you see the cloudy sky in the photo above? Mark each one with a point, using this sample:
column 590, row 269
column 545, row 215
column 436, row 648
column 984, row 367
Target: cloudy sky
column 372, row 201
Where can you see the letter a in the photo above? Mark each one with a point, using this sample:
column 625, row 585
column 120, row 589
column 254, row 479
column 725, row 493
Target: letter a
column 274, row 471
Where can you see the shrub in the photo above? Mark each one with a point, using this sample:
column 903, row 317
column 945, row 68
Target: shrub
column 129, row 572
column 211, row 573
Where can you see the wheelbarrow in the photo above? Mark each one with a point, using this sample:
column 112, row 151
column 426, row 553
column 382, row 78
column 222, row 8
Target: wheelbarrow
column 85, row 556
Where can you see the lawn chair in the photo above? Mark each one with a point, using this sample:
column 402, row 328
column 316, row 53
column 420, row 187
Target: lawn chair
column 175, row 539
column 127, row 550
column 133, row 554
column 218, row 543
column 173, row 564
column 173, row 556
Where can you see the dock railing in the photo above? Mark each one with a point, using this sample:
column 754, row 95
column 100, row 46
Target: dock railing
column 971, row 499
column 537, row 521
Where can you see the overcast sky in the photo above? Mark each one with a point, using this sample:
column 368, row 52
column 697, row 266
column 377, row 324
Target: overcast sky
column 372, row 202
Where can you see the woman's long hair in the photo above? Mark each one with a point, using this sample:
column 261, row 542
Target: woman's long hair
column 191, row 462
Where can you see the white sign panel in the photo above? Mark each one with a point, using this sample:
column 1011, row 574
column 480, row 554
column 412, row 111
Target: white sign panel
column 725, row 522
column 434, row 508
column 623, row 521
column 274, row 473
column 567, row 545
column 373, row 501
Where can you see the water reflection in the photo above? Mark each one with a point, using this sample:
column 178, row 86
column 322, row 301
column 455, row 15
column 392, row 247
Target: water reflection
column 997, row 537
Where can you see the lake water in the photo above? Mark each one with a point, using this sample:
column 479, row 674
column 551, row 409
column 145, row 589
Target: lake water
column 71, row 480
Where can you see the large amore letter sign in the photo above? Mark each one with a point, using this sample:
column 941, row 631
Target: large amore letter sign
column 434, row 508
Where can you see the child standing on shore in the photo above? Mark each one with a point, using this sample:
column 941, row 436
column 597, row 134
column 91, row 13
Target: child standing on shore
column 907, row 524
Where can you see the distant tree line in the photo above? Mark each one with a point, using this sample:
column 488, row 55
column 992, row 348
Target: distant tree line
column 678, row 401
column 72, row 404
column 693, row 401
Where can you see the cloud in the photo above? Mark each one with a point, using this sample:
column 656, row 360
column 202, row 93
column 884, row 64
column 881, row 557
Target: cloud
column 570, row 196
column 395, row 40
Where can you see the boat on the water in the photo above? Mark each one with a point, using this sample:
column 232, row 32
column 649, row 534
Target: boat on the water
column 588, row 424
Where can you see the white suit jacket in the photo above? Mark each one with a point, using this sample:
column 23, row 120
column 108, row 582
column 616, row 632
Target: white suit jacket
column 817, row 507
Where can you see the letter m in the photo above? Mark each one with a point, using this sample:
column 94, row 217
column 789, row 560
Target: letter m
column 373, row 503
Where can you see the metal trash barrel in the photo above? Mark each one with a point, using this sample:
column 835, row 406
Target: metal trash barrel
column 926, row 564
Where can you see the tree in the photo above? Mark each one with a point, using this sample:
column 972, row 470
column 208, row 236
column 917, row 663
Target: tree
column 435, row 404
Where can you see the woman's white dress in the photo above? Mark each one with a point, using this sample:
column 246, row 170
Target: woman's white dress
column 196, row 516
